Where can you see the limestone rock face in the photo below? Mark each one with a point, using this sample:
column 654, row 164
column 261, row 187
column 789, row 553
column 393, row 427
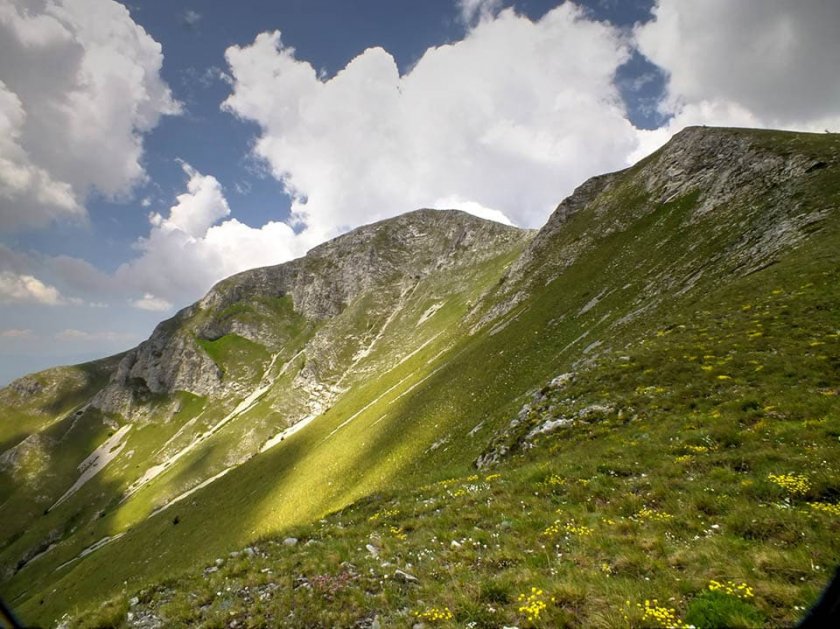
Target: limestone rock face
column 370, row 260
column 331, row 275
column 168, row 361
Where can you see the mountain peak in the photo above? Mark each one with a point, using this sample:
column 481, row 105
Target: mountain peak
column 386, row 259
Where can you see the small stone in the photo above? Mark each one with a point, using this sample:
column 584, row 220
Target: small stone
column 211, row 570
column 373, row 550
column 455, row 544
column 134, row 600
column 290, row 541
column 250, row 551
column 404, row 577
column 220, row 561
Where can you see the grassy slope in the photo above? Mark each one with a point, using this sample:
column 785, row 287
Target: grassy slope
column 173, row 550
column 485, row 378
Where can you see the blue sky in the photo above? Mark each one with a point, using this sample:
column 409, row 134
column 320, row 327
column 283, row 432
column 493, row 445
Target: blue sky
column 151, row 148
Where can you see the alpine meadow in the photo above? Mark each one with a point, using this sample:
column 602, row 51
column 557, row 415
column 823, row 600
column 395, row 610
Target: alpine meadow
column 627, row 418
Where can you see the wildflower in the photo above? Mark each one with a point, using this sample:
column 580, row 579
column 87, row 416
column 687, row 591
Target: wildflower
column 382, row 514
column 796, row 484
column 398, row 533
column 492, row 477
column 652, row 514
column 555, row 481
column 570, row 528
column 434, row 614
column 575, row 529
column 653, row 615
column 825, row 507
column 739, row 590
column 533, row 604
column 698, row 449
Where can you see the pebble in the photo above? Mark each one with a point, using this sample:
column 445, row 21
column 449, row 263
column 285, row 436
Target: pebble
column 403, row 576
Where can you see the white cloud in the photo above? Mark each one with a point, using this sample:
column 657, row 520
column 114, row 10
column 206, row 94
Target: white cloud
column 191, row 18
column 79, row 85
column 472, row 11
column 21, row 289
column 754, row 63
column 471, row 207
column 17, row 333
column 100, row 335
column 189, row 249
column 197, row 209
column 151, row 303
column 513, row 117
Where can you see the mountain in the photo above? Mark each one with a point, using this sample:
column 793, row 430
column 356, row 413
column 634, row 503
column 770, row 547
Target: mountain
column 437, row 413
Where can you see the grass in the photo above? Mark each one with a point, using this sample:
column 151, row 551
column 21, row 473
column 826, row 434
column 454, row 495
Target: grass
column 675, row 493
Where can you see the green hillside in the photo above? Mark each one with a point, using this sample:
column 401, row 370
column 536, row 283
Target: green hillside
column 649, row 385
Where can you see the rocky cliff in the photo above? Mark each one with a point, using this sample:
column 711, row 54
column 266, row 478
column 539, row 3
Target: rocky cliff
column 372, row 259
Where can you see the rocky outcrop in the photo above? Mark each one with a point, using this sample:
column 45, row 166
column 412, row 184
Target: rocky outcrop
column 169, row 360
column 334, row 273
column 736, row 174
column 394, row 252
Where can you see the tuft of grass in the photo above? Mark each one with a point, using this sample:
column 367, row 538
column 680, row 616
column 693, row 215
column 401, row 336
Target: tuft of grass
column 718, row 610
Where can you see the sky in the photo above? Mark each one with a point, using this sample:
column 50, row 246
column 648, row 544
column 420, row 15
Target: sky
column 150, row 148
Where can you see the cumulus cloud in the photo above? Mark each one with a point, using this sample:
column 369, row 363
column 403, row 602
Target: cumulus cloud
column 151, row 303
column 191, row 247
column 71, row 334
column 471, row 11
column 17, row 333
column 753, row 63
column 79, row 85
column 512, row 117
column 197, row 209
column 22, row 289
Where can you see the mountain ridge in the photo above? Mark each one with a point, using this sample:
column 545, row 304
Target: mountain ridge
column 413, row 368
